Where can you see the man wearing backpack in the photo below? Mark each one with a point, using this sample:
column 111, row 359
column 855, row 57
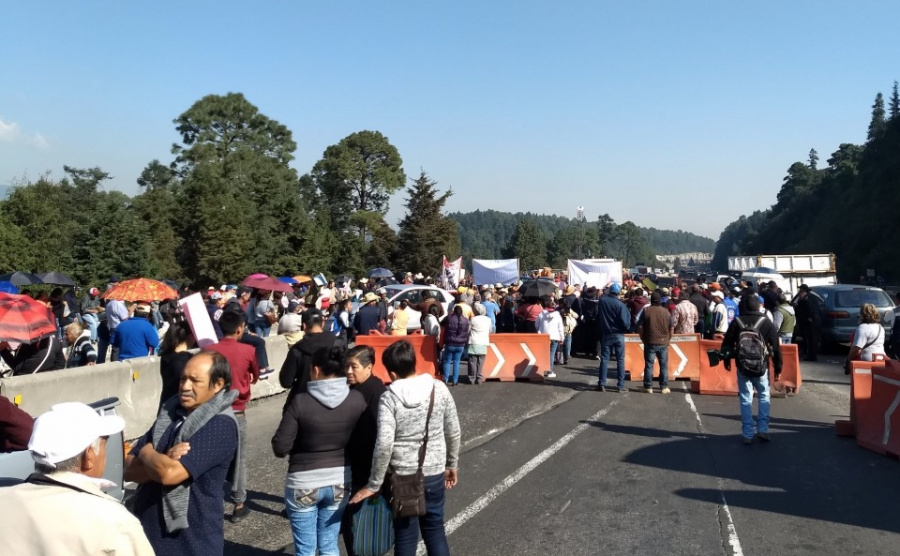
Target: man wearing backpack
column 750, row 340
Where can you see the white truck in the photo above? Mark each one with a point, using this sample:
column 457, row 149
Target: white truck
column 812, row 270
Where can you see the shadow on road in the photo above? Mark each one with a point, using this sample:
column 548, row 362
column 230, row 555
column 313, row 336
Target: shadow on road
column 806, row 471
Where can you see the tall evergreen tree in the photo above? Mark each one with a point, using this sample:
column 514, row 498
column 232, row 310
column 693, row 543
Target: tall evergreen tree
column 528, row 245
column 895, row 102
column 425, row 232
column 813, row 159
column 607, row 232
column 876, row 126
column 158, row 208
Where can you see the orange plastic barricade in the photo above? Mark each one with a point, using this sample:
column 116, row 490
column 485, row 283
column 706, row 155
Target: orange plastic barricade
column 791, row 379
column 684, row 357
column 878, row 421
column 716, row 380
column 860, row 394
column 517, row 356
column 426, row 352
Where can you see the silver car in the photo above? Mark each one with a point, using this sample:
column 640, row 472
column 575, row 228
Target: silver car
column 415, row 294
column 839, row 307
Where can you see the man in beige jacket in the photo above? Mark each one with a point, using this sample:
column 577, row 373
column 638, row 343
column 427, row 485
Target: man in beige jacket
column 61, row 510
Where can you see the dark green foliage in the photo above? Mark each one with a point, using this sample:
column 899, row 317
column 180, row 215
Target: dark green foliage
column 847, row 208
column 425, row 232
column 528, row 245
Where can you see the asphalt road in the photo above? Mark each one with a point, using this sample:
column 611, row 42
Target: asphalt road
column 561, row 469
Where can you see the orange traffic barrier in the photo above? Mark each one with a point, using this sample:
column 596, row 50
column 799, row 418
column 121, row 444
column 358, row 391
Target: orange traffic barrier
column 684, row 357
column 860, row 394
column 426, row 352
column 517, row 356
column 877, row 420
column 717, row 381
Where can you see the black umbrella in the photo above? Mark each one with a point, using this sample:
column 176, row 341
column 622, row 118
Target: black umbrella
column 21, row 278
column 538, row 288
column 56, row 279
column 381, row 273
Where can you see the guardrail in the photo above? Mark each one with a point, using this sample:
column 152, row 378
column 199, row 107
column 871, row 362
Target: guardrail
column 136, row 382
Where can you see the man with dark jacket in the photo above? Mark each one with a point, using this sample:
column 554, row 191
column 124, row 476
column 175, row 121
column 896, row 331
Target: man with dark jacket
column 752, row 318
column 702, row 305
column 42, row 355
column 614, row 320
column 806, row 328
column 636, row 305
column 368, row 316
column 655, row 334
column 590, row 335
column 295, row 371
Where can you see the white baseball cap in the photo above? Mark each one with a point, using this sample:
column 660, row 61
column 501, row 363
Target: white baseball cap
column 67, row 430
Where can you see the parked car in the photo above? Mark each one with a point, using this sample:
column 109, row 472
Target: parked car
column 415, row 294
column 839, row 307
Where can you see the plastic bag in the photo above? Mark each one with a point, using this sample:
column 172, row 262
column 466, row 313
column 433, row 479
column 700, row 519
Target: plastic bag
column 373, row 528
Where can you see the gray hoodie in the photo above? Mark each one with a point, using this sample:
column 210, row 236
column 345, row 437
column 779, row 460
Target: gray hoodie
column 401, row 428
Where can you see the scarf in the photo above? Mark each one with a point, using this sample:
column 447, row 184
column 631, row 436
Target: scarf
column 176, row 498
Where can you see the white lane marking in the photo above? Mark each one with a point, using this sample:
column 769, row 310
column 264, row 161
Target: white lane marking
column 500, row 360
column 472, row 510
column 532, row 360
column 684, row 360
column 733, row 541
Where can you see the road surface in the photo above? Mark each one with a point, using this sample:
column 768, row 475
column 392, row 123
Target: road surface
column 559, row 468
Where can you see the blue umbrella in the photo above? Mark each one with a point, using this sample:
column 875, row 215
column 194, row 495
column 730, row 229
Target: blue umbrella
column 381, row 273
column 8, row 287
column 288, row 280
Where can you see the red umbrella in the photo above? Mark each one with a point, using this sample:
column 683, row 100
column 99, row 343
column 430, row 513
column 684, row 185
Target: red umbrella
column 141, row 289
column 24, row 320
column 263, row 282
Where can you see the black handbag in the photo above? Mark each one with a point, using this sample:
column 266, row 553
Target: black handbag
column 408, row 491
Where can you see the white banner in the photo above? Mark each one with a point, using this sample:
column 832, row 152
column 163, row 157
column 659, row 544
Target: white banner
column 496, row 271
column 198, row 319
column 450, row 274
column 594, row 273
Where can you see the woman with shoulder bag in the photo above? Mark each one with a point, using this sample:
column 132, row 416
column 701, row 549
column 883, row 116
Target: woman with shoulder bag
column 418, row 441
column 868, row 340
column 266, row 314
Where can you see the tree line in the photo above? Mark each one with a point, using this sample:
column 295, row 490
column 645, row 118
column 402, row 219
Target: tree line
column 540, row 240
column 229, row 204
column 847, row 207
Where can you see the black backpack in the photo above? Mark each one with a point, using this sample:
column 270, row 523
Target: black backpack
column 590, row 308
column 752, row 352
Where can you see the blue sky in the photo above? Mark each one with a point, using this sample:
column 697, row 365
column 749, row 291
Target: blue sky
column 679, row 115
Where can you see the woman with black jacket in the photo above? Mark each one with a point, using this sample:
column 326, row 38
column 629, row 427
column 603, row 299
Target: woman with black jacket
column 314, row 431
column 360, row 363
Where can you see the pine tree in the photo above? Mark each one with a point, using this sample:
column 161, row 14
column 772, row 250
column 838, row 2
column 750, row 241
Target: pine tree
column 528, row 245
column 895, row 102
column 876, row 126
column 813, row 159
column 426, row 233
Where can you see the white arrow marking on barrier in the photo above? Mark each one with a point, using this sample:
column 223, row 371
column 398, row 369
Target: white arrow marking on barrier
column 532, row 360
column 684, row 359
column 890, row 411
column 500, row 361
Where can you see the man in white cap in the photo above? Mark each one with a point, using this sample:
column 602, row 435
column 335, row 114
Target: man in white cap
column 61, row 508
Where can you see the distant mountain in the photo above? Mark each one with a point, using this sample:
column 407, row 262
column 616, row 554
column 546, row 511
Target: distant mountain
column 484, row 234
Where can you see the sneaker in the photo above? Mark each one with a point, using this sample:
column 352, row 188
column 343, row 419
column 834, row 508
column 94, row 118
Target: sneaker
column 239, row 514
column 600, row 388
column 549, row 374
column 264, row 373
column 648, row 390
column 598, row 358
column 666, row 390
column 764, row 436
column 622, row 390
column 746, row 441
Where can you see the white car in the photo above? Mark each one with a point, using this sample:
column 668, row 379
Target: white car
column 415, row 294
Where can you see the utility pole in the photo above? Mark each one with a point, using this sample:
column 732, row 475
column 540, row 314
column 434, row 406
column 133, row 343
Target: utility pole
column 580, row 218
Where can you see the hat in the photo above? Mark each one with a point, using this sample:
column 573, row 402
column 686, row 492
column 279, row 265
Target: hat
column 370, row 297
column 144, row 307
column 67, row 430
column 409, row 273
column 382, row 291
column 715, row 286
column 93, row 291
column 655, row 298
column 222, row 287
column 229, row 288
column 570, row 289
column 804, row 287
column 292, row 306
column 718, row 295
column 363, row 280
column 462, row 289
column 614, row 289
column 736, row 289
column 702, row 286
column 215, row 296
column 664, row 291
column 418, row 276
column 113, row 279
column 498, row 285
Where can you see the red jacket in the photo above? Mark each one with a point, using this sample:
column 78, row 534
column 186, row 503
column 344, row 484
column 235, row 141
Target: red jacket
column 244, row 368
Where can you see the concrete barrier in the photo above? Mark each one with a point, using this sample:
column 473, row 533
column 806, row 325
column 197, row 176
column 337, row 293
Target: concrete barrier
column 136, row 382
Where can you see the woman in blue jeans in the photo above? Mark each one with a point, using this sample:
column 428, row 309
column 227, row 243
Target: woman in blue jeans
column 456, row 336
column 314, row 431
column 402, row 415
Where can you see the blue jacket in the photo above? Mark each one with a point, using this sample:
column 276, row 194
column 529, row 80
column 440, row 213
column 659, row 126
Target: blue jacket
column 613, row 316
column 366, row 319
column 135, row 337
